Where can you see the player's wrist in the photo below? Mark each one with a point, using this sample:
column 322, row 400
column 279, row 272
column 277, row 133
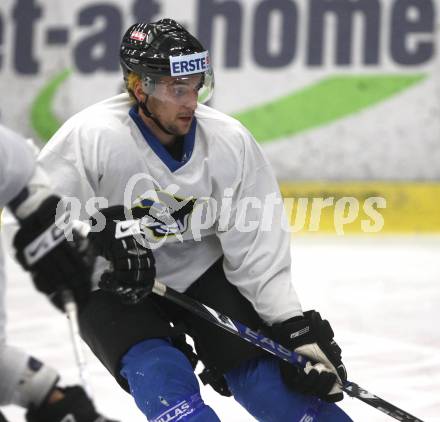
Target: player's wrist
column 31, row 196
column 28, row 201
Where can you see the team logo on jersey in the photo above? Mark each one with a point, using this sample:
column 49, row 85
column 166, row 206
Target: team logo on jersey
column 169, row 215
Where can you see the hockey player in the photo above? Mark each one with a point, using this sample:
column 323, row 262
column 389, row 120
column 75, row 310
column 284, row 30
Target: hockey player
column 24, row 380
column 170, row 160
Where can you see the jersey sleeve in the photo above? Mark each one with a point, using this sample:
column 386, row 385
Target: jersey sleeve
column 17, row 164
column 256, row 240
column 63, row 159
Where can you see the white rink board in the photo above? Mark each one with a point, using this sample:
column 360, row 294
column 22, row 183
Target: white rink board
column 380, row 294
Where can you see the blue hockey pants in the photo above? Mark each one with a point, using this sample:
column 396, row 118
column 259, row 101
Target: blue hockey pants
column 165, row 389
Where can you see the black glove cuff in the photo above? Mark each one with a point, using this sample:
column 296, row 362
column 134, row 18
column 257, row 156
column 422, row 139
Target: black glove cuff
column 44, row 216
column 102, row 240
column 18, row 200
column 294, row 332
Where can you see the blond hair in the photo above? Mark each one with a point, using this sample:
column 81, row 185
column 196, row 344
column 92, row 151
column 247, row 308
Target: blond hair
column 130, row 85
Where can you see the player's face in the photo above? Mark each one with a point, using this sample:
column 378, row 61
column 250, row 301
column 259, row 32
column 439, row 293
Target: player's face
column 174, row 102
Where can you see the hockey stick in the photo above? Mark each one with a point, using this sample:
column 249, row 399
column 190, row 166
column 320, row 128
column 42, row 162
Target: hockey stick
column 259, row 340
column 71, row 311
column 267, row 344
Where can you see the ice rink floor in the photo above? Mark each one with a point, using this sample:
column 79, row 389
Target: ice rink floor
column 382, row 296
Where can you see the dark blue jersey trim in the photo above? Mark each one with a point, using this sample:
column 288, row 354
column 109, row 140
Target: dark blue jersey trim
column 159, row 149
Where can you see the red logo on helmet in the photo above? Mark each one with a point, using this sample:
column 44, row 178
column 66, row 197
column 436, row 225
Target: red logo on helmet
column 138, row 36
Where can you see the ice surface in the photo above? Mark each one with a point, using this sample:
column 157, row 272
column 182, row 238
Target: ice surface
column 381, row 295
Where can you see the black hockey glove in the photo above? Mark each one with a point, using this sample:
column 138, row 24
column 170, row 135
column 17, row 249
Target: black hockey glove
column 132, row 272
column 75, row 407
column 55, row 263
column 311, row 336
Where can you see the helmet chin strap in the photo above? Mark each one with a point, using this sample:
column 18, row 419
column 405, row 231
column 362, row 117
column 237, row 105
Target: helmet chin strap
column 144, row 108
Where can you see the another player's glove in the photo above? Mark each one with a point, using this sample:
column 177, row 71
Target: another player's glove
column 311, row 336
column 54, row 262
column 73, row 406
column 132, row 272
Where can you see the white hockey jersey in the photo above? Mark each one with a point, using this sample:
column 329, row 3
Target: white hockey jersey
column 17, row 164
column 107, row 152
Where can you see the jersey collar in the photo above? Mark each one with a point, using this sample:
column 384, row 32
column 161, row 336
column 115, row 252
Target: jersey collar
column 159, row 149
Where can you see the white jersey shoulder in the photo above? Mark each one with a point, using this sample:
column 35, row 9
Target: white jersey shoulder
column 86, row 144
column 101, row 125
column 229, row 137
column 227, row 127
column 204, row 112
column 110, row 114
